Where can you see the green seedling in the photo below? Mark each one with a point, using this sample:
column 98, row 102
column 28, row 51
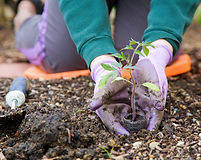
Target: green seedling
column 77, row 111
column 129, row 67
column 108, row 153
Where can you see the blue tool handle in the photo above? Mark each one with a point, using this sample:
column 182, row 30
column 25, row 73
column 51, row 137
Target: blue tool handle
column 19, row 84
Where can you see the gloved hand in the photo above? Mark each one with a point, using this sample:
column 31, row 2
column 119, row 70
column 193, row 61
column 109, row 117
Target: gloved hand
column 150, row 103
column 111, row 101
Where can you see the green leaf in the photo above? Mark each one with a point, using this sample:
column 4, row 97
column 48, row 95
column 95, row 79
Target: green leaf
column 132, row 42
column 117, row 55
column 119, row 65
column 108, row 153
column 104, row 80
column 77, row 111
column 145, row 43
column 107, row 67
column 118, row 79
column 121, row 56
column 151, row 86
column 130, row 67
column 145, row 50
column 152, row 46
column 140, row 53
column 128, row 47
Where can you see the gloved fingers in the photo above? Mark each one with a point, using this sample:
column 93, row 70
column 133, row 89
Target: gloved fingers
column 150, row 73
column 121, row 96
column 146, row 73
column 156, row 117
column 117, row 89
column 96, row 103
column 111, row 115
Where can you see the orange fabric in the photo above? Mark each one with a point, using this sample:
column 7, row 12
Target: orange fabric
column 36, row 73
column 181, row 65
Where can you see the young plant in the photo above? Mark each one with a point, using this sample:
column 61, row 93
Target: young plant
column 128, row 67
column 108, row 153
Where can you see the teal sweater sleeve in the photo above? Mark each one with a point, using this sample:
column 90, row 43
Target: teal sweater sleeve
column 89, row 27
column 168, row 19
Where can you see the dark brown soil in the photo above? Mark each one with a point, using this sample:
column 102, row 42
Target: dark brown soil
column 139, row 123
column 58, row 124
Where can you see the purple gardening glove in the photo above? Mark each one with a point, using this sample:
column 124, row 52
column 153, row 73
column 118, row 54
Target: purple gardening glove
column 110, row 101
column 150, row 103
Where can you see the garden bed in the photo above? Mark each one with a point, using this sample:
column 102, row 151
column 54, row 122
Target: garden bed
column 57, row 123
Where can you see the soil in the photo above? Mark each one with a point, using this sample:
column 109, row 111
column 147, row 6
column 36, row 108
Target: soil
column 56, row 123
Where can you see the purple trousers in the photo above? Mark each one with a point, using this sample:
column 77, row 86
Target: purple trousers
column 45, row 40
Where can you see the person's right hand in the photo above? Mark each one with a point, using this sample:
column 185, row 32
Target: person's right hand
column 111, row 101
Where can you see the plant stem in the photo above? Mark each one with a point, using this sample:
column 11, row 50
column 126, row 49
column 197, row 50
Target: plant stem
column 133, row 96
column 133, row 80
column 131, row 61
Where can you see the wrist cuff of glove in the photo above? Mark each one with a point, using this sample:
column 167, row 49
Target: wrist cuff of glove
column 170, row 54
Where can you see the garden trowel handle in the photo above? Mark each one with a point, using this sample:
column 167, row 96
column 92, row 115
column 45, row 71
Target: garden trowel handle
column 16, row 95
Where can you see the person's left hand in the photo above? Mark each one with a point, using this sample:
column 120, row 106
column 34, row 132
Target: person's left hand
column 149, row 103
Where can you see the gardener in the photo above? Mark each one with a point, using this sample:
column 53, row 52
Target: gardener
column 75, row 35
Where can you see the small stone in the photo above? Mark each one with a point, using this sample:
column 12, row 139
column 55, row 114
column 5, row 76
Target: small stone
column 1, row 108
column 198, row 123
column 188, row 99
column 160, row 134
column 92, row 117
column 126, row 145
column 180, row 143
column 194, row 120
column 73, row 85
column 57, row 104
column 175, row 124
column 51, row 92
column 153, row 145
column 87, row 156
column 189, row 114
column 137, row 144
column 91, row 84
column 183, row 106
column 151, row 156
column 200, row 135
column 2, row 157
column 112, row 143
column 173, row 120
column 139, row 153
column 121, row 149
column 175, row 110
column 199, row 144
column 122, row 137
column 121, row 157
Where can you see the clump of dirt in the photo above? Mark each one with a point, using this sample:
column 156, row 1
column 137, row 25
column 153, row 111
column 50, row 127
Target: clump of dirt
column 40, row 131
column 134, row 126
